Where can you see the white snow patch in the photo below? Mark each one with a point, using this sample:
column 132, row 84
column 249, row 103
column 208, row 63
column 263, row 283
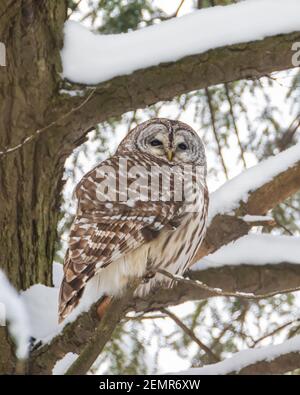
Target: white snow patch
column 63, row 364
column 72, row 92
column 15, row 313
column 228, row 196
column 57, row 274
column 247, row 357
column 254, row 249
column 92, row 58
column 42, row 306
column 256, row 218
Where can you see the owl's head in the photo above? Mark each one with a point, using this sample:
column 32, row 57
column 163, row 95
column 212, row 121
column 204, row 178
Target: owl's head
column 168, row 140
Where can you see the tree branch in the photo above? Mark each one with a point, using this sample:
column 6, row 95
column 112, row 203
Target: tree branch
column 212, row 356
column 282, row 364
column 277, row 359
column 116, row 310
column 148, row 86
column 235, row 128
column 214, row 129
column 224, row 228
column 220, row 292
column 247, row 278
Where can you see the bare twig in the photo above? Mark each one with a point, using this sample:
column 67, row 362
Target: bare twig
column 50, row 125
column 220, row 292
column 178, row 8
column 272, row 333
column 234, row 124
column 213, row 124
column 75, row 8
column 212, row 356
column 289, row 134
column 284, row 227
column 143, row 317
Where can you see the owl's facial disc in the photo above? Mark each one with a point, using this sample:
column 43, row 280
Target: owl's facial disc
column 175, row 146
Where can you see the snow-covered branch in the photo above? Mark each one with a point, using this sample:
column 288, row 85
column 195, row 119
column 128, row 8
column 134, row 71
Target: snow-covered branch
column 220, row 292
column 277, row 359
column 254, row 249
column 259, row 44
column 254, row 192
column 90, row 58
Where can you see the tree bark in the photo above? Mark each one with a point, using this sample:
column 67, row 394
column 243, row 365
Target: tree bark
column 30, row 179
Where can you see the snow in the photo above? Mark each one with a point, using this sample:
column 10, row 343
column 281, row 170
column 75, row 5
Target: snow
column 228, row 196
column 57, row 274
column 63, row 364
column 41, row 303
column 257, row 218
column 72, row 92
column 247, row 357
column 92, row 58
column 254, row 249
column 15, row 313
column 42, row 306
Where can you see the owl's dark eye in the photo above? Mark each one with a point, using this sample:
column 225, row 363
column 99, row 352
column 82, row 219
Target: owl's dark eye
column 155, row 143
column 183, row 146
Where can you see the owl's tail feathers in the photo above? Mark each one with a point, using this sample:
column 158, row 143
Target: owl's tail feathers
column 71, row 288
column 69, row 298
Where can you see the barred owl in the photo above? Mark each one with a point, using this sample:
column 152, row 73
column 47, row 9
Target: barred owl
column 141, row 210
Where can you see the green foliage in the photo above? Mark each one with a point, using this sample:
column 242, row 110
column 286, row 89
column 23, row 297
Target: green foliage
column 123, row 16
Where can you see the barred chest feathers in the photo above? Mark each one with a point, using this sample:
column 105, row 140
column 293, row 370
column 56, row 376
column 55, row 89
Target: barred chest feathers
column 173, row 251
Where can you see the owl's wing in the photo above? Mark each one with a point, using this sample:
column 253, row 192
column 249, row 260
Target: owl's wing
column 104, row 232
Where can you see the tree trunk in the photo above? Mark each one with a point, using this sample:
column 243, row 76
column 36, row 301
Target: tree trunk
column 30, row 176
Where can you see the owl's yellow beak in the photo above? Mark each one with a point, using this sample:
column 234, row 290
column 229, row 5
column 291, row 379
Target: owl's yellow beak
column 170, row 155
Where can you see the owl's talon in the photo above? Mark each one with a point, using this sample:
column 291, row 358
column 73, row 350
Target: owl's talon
column 103, row 305
column 148, row 277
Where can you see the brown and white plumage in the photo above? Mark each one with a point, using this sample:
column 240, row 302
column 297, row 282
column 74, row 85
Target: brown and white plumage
column 114, row 236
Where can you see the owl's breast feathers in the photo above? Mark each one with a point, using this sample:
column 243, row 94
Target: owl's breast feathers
column 105, row 230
